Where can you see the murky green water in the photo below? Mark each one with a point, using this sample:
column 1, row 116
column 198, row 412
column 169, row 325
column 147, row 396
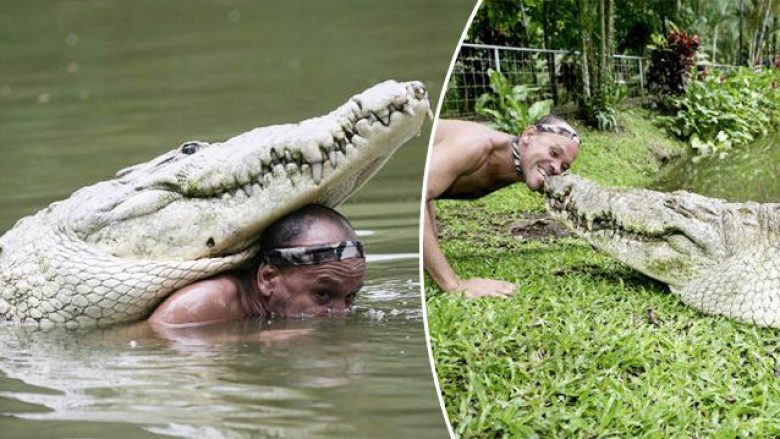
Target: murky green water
column 89, row 87
column 750, row 174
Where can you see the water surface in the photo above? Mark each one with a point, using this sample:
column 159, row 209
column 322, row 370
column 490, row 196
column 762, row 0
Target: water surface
column 89, row 87
column 746, row 174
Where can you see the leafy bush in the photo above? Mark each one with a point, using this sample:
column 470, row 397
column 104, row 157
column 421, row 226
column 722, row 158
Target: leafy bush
column 600, row 110
column 506, row 105
column 718, row 113
column 671, row 63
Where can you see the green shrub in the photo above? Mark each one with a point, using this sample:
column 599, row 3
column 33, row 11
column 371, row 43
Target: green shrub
column 600, row 110
column 718, row 113
column 506, row 106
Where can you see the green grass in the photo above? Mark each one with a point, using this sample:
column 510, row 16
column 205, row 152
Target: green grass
column 588, row 347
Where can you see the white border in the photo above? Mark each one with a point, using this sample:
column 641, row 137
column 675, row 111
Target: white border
column 422, row 216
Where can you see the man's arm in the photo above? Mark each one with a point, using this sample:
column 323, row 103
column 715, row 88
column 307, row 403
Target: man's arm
column 433, row 258
column 206, row 301
column 446, row 166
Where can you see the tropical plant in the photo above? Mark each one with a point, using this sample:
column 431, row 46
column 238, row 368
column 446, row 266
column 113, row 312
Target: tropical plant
column 671, row 63
column 507, row 105
column 600, row 111
column 718, row 113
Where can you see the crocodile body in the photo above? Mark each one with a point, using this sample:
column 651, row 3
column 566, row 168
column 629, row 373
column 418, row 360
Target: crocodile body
column 718, row 257
column 113, row 250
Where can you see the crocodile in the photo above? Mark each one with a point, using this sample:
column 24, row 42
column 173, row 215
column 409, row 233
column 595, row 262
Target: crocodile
column 112, row 251
column 719, row 257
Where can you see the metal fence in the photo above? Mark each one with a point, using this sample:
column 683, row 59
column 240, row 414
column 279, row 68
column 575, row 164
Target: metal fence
column 549, row 74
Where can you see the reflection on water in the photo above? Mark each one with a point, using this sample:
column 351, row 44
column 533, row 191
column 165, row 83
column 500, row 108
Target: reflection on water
column 744, row 175
column 89, row 87
column 282, row 377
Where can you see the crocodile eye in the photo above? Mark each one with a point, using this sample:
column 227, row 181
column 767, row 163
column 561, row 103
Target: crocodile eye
column 189, row 148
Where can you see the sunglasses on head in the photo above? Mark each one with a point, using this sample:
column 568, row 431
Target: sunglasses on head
column 315, row 254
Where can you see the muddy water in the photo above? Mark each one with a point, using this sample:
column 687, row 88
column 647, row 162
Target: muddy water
column 89, row 87
column 749, row 174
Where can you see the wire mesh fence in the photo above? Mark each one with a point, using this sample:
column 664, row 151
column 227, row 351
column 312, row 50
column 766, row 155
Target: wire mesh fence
column 629, row 73
column 548, row 74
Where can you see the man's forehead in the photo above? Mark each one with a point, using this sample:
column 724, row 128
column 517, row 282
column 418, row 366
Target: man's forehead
column 557, row 139
column 323, row 231
column 336, row 272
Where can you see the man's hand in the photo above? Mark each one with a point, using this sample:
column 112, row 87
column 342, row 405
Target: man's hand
column 478, row 287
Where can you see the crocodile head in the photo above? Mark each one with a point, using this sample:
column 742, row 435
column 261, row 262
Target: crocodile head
column 671, row 237
column 213, row 199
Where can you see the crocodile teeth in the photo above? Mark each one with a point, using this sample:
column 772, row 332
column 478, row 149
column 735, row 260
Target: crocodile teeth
column 332, row 157
column 362, row 126
column 384, row 117
column 316, row 172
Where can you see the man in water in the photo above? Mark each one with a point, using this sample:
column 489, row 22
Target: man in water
column 310, row 263
column 470, row 160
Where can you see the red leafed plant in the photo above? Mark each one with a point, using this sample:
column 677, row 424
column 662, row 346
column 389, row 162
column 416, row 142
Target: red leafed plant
column 672, row 60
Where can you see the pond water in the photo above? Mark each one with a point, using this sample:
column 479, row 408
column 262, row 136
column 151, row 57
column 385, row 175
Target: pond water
column 749, row 174
column 89, row 87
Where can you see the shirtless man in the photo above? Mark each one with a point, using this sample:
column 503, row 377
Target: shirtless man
column 310, row 263
column 470, row 160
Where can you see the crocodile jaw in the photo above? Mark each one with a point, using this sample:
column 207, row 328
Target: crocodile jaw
column 215, row 201
column 671, row 237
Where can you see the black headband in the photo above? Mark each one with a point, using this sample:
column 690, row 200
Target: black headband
column 559, row 130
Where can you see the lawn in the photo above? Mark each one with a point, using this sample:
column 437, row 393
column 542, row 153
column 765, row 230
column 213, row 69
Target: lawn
column 588, row 347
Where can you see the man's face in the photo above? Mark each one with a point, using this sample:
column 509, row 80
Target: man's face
column 323, row 289
column 317, row 290
column 546, row 154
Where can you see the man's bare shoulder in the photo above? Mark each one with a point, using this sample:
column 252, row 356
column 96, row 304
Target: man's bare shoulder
column 209, row 300
column 459, row 133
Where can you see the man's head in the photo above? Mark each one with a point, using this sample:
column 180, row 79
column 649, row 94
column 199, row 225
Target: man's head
column 547, row 147
column 310, row 263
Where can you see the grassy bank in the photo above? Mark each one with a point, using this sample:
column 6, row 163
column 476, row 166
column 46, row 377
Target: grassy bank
column 588, row 347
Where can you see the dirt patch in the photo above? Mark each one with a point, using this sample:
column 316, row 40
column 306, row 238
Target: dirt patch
column 538, row 227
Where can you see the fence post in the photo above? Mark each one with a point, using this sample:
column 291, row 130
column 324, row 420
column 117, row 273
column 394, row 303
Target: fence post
column 498, row 61
column 641, row 75
column 551, row 73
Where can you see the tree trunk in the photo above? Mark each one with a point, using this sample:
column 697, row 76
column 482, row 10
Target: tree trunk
column 546, row 25
column 584, row 37
column 761, row 35
column 610, row 41
column 774, row 38
column 531, row 59
column 715, row 45
column 740, row 46
column 600, row 79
